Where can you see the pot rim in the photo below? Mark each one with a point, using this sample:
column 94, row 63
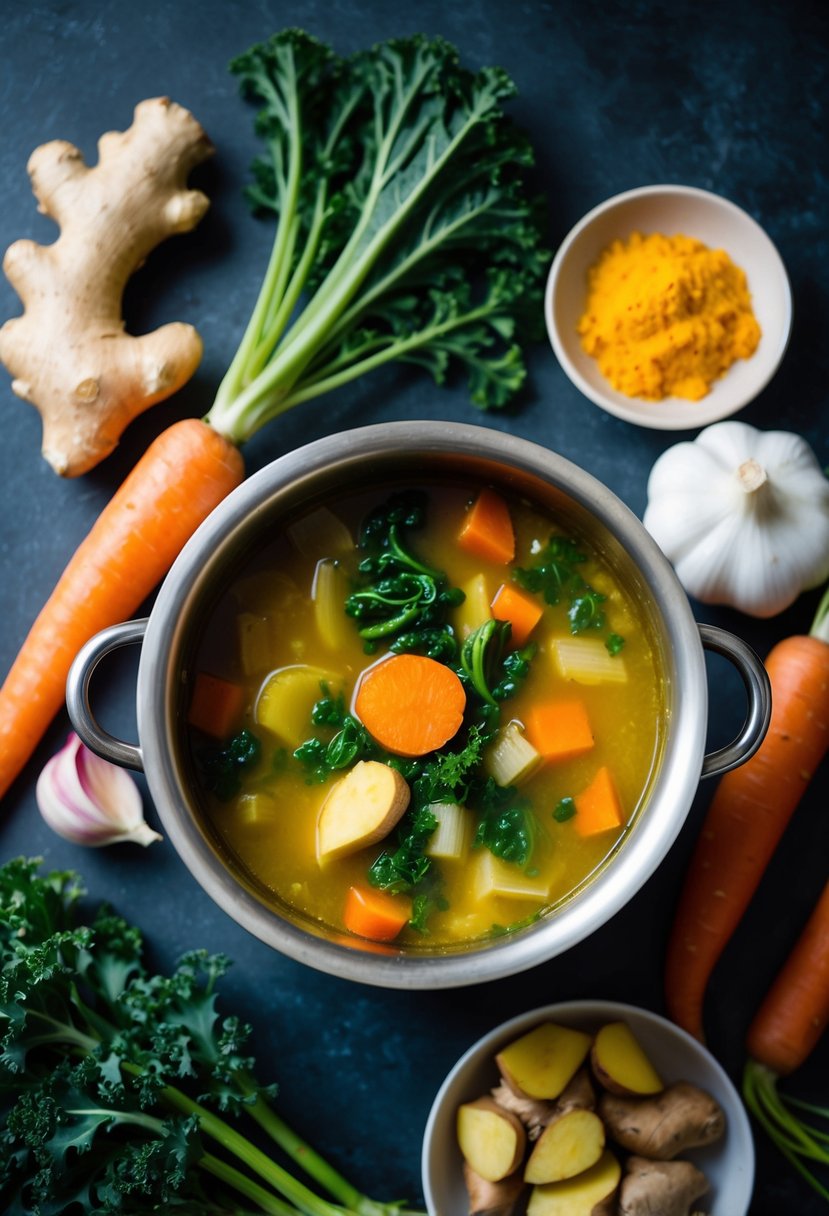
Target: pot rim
column 605, row 893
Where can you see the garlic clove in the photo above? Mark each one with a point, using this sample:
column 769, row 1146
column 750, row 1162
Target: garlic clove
column 90, row 801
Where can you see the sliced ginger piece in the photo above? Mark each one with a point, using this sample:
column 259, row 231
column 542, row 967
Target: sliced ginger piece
column 491, row 1139
column 69, row 354
column 486, row 1198
column 543, row 1061
column 570, row 1144
column 587, row 1194
column 361, row 809
column 620, row 1064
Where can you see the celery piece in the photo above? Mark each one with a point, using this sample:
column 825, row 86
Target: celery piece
column 512, row 758
column 492, row 876
column 450, row 839
column 328, row 593
column 587, row 661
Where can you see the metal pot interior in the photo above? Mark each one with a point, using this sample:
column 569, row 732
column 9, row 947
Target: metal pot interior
column 319, row 474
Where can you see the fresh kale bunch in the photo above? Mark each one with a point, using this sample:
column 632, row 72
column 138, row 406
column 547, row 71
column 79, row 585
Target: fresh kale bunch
column 405, row 230
column 122, row 1091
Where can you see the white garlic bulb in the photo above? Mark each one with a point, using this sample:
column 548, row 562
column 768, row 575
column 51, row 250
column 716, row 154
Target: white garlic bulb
column 89, row 800
column 743, row 515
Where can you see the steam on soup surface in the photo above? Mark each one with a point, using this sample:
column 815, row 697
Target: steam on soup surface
column 560, row 714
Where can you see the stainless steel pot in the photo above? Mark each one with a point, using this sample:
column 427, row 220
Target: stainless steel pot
column 389, row 453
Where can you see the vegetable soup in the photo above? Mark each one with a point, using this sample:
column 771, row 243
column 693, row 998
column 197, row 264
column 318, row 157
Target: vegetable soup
column 424, row 716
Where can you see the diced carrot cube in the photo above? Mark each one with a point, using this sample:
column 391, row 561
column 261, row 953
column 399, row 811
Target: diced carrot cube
column 375, row 914
column 598, row 808
column 487, row 530
column 559, row 730
column 522, row 611
column 216, row 705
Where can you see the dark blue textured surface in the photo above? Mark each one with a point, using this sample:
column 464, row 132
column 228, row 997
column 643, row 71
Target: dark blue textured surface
column 730, row 97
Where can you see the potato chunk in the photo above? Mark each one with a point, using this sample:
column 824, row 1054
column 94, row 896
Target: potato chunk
column 542, row 1061
column 287, row 697
column 360, row 809
column 620, row 1064
column 491, row 1139
column 570, row 1143
column 583, row 1195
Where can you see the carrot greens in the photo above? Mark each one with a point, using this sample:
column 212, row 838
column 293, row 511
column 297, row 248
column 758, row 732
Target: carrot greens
column 126, row 1092
column 404, row 229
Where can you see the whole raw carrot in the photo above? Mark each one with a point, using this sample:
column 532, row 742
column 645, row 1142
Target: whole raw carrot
column 748, row 814
column 795, row 1011
column 783, row 1034
column 182, row 476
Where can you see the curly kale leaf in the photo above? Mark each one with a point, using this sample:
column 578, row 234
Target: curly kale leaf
column 406, row 230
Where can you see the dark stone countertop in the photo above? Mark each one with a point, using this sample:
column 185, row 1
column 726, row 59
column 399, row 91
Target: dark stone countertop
column 732, row 98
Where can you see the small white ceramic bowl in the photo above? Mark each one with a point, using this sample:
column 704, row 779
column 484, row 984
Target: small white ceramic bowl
column 728, row 1165
column 670, row 210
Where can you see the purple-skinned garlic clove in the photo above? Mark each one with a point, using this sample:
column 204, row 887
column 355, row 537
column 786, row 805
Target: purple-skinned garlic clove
column 90, row 801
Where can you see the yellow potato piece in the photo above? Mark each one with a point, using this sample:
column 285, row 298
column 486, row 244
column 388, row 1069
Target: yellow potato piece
column 580, row 1195
column 620, row 1064
column 542, row 1061
column 475, row 608
column 360, row 809
column 569, row 1144
column 287, row 697
column 491, row 1139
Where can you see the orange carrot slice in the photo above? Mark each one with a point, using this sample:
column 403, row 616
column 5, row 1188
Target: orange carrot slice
column 216, row 705
column 559, row 730
column 374, row 914
column 598, row 808
column 410, row 704
column 522, row 611
column 487, row 530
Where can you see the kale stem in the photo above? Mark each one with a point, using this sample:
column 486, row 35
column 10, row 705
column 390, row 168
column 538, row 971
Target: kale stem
column 306, row 1157
column 238, row 415
column 260, row 403
column 246, row 1186
column 65, row 1032
column 306, row 1201
column 299, row 1151
column 279, row 264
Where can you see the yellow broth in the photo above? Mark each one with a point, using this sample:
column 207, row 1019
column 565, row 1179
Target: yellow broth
column 265, row 621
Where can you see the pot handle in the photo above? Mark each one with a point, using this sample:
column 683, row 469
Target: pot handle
column 758, row 691
column 127, row 755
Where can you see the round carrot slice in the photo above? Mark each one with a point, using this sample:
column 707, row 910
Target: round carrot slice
column 410, row 704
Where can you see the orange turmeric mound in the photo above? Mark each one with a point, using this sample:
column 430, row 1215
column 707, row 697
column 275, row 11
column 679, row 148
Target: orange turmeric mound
column 666, row 316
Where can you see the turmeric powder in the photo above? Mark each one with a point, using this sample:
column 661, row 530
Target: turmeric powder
column 666, row 316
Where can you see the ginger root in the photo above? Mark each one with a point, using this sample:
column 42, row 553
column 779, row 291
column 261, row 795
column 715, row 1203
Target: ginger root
column 681, row 1117
column 501, row 1198
column 69, row 354
column 660, row 1188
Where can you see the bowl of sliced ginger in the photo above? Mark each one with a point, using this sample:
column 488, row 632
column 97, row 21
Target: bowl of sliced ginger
column 587, row 1108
